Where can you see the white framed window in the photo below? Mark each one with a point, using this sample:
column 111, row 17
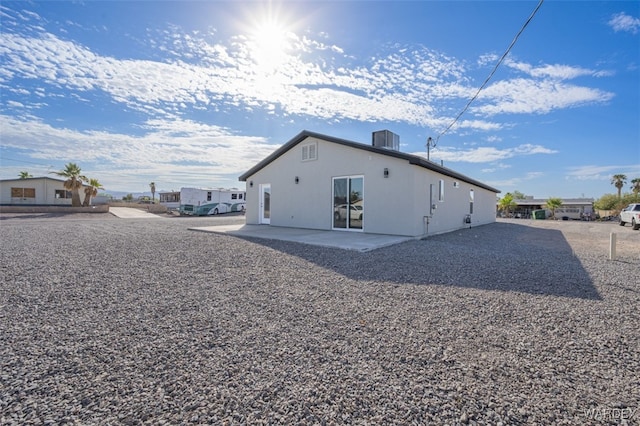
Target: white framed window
column 441, row 190
column 310, row 152
column 471, row 196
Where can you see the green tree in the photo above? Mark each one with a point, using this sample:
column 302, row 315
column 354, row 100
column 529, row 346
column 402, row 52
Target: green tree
column 25, row 175
column 606, row 202
column 128, row 197
column 517, row 195
column 507, row 203
column 618, row 181
column 91, row 191
column 635, row 186
column 74, row 177
column 152, row 185
column 553, row 203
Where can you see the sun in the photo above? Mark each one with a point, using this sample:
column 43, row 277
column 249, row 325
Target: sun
column 269, row 44
column 269, row 33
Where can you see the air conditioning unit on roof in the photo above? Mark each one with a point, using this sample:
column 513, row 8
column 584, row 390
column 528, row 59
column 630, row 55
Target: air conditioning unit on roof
column 385, row 139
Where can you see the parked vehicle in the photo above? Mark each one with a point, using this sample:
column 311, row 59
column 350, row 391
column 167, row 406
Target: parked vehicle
column 355, row 212
column 204, row 201
column 631, row 214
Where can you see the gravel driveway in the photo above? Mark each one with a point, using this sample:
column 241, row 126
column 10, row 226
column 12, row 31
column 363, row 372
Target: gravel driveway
column 122, row 321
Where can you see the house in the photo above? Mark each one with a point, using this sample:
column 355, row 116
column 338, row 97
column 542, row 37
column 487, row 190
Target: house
column 571, row 208
column 38, row 191
column 321, row 182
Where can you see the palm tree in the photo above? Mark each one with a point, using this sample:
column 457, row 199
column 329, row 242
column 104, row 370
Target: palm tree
column 91, row 191
column 73, row 183
column 507, row 203
column 635, row 187
column 618, row 181
column 152, row 185
column 553, row 204
column 25, row 175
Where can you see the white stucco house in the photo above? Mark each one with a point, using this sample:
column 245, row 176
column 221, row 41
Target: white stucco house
column 321, row 182
column 35, row 191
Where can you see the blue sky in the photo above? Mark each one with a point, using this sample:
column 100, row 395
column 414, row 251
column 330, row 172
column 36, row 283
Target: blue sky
column 195, row 93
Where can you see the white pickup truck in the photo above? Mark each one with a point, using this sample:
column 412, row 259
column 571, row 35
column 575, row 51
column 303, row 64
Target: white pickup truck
column 631, row 214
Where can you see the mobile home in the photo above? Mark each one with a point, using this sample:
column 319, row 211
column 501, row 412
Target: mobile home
column 207, row 201
column 171, row 200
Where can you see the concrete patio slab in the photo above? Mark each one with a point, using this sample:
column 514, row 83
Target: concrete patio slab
column 337, row 239
column 131, row 213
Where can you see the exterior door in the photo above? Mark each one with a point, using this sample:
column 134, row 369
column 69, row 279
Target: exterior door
column 348, row 202
column 265, row 203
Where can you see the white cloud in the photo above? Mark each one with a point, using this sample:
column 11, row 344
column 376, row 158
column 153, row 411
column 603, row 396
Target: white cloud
column 598, row 173
column 496, row 167
column 555, row 71
column 486, row 154
column 315, row 79
column 623, row 22
column 522, row 96
column 171, row 150
column 404, row 85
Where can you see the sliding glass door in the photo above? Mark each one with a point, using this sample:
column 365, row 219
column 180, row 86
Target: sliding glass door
column 348, row 202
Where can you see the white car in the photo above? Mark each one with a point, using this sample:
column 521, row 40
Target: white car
column 355, row 212
column 631, row 214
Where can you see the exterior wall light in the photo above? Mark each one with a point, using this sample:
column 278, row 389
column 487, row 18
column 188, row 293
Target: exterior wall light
column 251, row 183
column 297, row 180
column 386, row 172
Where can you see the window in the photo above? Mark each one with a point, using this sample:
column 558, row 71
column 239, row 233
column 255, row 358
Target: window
column 23, row 193
column 169, row 197
column 310, row 152
column 471, row 201
column 61, row 193
column 441, row 190
column 234, row 196
column 208, row 195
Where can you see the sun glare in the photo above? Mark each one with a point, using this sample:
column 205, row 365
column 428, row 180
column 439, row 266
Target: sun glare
column 269, row 45
column 268, row 29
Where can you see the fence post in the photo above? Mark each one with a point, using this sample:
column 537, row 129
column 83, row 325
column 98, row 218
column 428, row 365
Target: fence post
column 612, row 246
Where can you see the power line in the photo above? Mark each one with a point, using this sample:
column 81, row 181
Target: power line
column 495, row 68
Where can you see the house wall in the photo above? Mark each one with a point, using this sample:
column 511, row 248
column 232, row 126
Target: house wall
column 395, row 205
column 449, row 213
column 45, row 190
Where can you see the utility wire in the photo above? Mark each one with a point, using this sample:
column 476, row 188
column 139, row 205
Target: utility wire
column 495, row 68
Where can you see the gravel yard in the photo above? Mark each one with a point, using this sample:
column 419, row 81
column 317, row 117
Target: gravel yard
column 123, row 321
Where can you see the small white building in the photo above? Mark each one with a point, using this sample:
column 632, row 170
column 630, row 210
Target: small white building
column 321, row 182
column 35, row 191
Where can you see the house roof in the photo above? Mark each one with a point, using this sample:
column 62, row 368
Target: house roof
column 31, row 179
column 412, row 159
column 36, row 179
column 565, row 201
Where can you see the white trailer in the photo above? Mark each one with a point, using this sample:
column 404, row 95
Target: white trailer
column 208, row 201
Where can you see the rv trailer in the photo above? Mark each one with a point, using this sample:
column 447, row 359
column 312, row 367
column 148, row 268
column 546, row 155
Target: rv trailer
column 207, row 201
